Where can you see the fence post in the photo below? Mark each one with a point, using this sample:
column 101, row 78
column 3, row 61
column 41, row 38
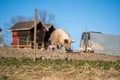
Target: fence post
column 27, row 42
column 18, row 43
column 35, row 26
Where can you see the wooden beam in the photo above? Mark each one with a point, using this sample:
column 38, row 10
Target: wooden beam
column 18, row 42
column 35, row 26
column 27, row 41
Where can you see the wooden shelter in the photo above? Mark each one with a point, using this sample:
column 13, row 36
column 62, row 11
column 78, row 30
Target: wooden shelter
column 23, row 34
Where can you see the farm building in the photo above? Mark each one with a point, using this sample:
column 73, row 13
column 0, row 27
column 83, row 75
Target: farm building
column 23, row 34
column 1, row 40
column 101, row 43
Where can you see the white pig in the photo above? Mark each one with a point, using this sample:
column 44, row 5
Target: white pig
column 61, row 38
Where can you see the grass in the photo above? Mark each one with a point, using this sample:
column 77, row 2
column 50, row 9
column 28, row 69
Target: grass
column 3, row 77
column 46, row 63
column 24, row 68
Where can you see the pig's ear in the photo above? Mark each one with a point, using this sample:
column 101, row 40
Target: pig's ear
column 66, row 41
column 72, row 41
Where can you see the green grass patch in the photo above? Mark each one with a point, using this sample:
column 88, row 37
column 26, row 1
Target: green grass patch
column 58, row 63
column 3, row 77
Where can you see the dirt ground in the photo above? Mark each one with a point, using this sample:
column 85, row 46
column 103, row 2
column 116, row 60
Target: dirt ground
column 36, row 72
column 59, row 54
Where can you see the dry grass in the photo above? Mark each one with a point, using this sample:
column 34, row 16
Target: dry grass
column 16, row 64
column 26, row 69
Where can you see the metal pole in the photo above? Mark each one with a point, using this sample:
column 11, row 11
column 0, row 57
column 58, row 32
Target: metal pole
column 35, row 26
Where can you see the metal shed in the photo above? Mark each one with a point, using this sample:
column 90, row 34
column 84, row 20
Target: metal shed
column 1, row 40
column 101, row 43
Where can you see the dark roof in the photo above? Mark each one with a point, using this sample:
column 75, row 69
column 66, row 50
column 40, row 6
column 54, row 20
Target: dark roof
column 25, row 25
column 22, row 25
column 50, row 25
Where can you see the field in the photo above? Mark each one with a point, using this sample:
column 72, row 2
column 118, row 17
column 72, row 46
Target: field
column 17, row 64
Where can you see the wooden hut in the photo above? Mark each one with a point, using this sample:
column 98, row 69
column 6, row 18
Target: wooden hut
column 23, row 34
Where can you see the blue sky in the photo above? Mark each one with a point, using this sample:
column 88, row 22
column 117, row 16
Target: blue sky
column 74, row 16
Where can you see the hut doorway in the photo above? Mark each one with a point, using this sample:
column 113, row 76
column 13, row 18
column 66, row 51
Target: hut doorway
column 47, row 36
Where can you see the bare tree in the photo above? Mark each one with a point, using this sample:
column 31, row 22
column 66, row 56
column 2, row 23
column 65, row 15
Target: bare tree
column 14, row 20
column 45, row 17
column 42, row 15
column 6, row 35
column 51, row 18
column 7, row 32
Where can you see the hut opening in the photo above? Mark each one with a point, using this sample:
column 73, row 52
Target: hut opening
column 51, row 28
